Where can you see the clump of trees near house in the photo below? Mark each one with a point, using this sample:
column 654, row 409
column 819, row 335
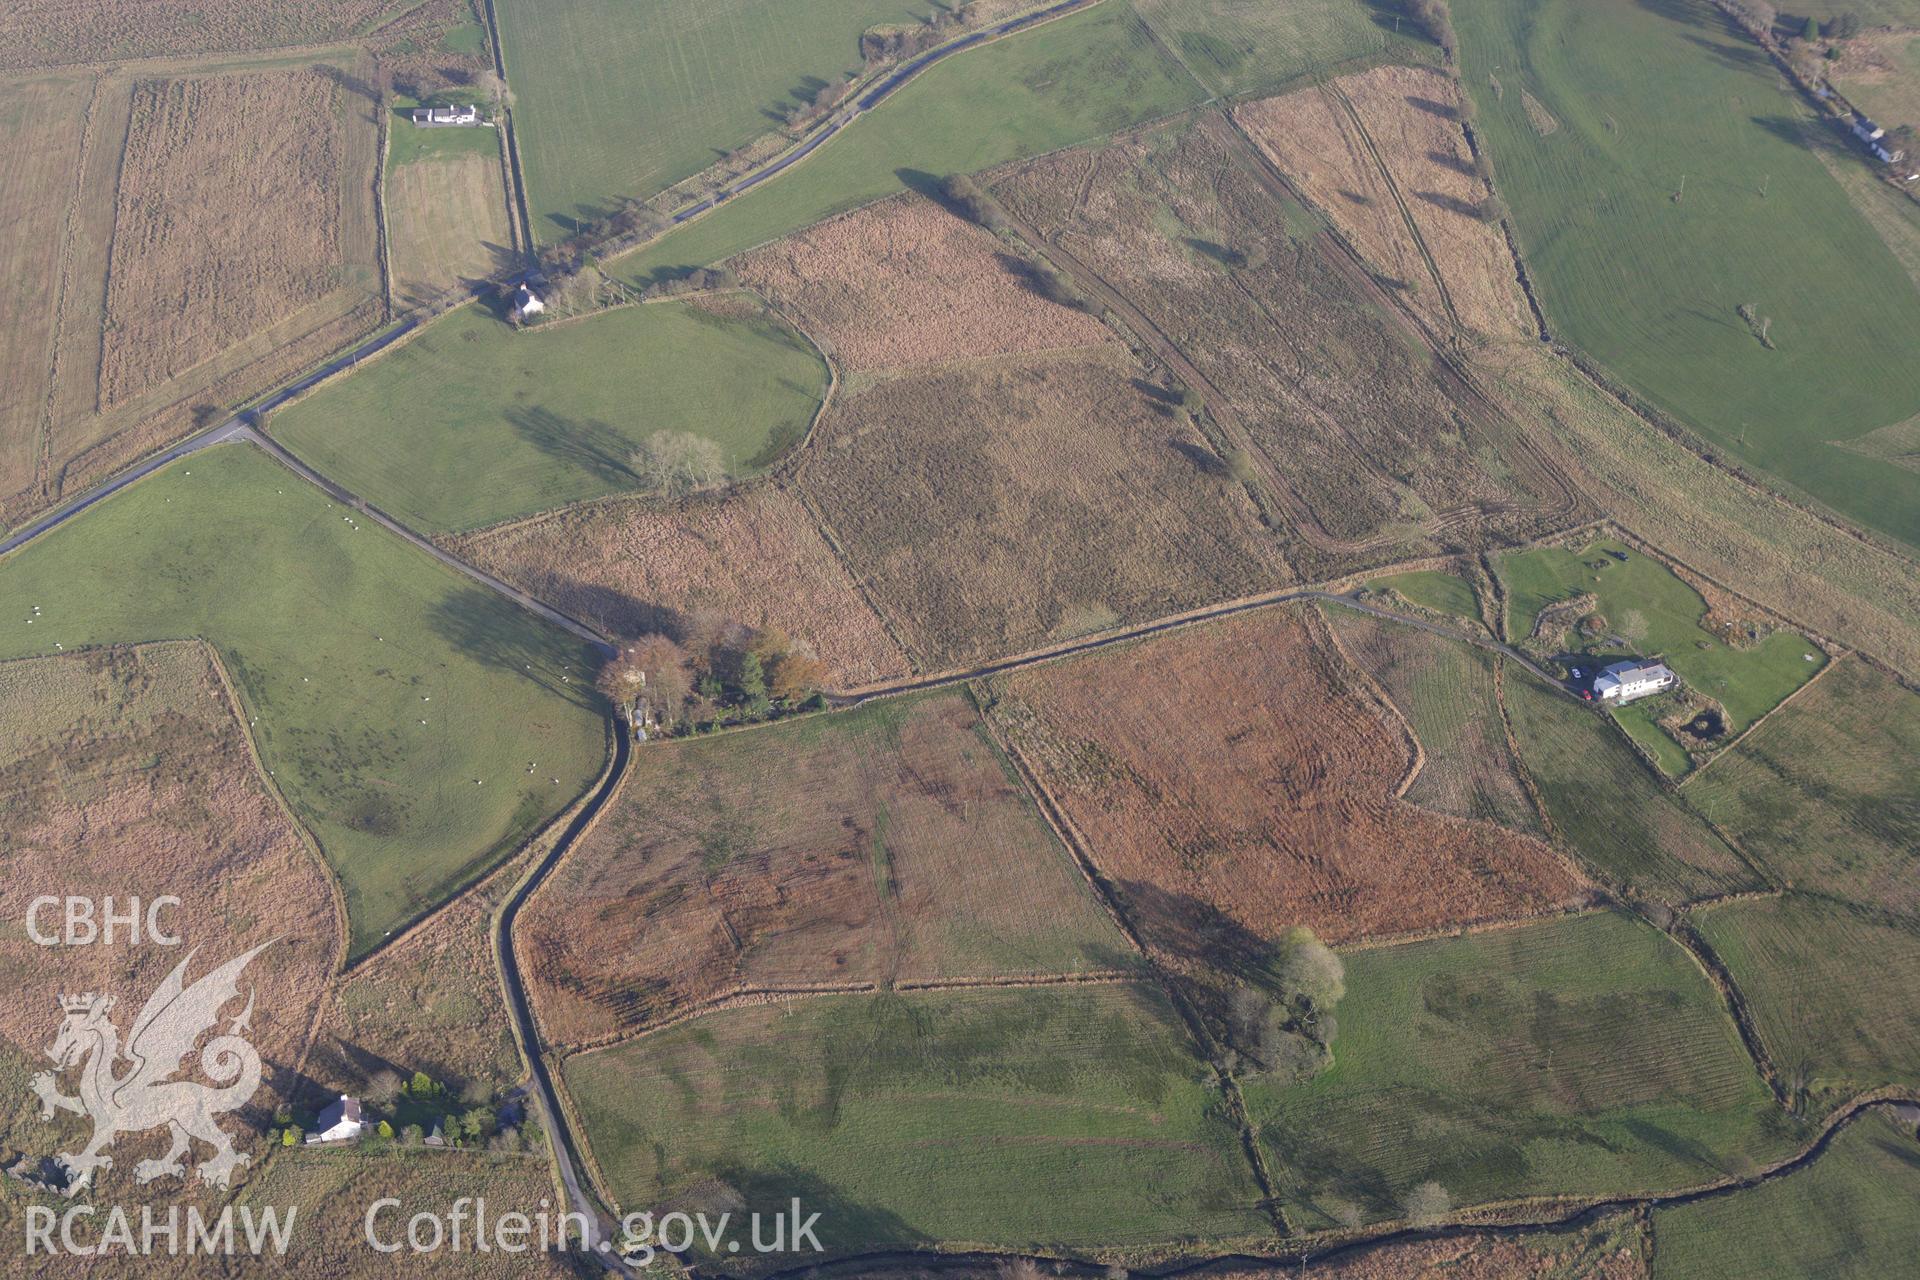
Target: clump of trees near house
column 1281, row 1022
column 712, row 673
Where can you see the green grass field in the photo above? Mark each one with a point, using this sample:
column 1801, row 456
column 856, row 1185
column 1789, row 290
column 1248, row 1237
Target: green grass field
column 1831, row 988
column 1014, row 1118
column 1826, row 792
column 1445, row 689
column 1583, row 1056
column 471, row 422
column 1641, row 720
column 407, row 141
column 1606, row 804
column 1657, row 613
column 1601, row 108
column 1440, row 592
column 1240, row 49
column 416, row 722
column 1068, row 81
column 670, row 87
column 1847, row 1216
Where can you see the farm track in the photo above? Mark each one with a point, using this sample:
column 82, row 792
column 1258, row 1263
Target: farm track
column 1331, row 89
column 1210, row 613
column 1550, row 475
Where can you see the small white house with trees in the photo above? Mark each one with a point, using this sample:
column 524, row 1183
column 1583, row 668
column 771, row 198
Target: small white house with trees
column 339, row 1122
column 1625, row 682
column 526, row 304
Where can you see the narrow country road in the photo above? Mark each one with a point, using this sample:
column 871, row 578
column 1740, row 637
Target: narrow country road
column 875, row 95
column 239, row 427
column 566, row 1149
column 485, row 579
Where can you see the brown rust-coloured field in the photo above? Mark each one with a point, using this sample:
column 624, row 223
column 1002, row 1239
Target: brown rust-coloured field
column 41, row 126
column 1006, row 504
column 127, row 772
column 905, row 283
column 229, row 219
column 37, row 33
column 1313, row 138
column 1369, row 448
column 57, row 439
column 1233, row 780
column 886, row 844
column 753, row 555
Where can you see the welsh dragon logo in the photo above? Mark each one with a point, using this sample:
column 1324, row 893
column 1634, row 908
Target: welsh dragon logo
column 141, row 1096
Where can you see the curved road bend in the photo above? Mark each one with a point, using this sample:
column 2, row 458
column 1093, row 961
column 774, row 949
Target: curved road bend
column 565, row 1150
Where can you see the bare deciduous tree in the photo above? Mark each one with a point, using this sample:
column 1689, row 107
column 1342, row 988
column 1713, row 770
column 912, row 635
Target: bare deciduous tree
column 1426, row 1204
column 679, row 462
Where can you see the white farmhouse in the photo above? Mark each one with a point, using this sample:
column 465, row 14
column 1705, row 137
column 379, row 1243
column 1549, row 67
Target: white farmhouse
column 440, row 116
column 1625, row 682
column 339, row 1122
column 526, row 303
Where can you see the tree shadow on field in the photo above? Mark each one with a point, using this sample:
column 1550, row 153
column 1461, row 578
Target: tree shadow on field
column 801, row 95
column 934, row 188
column 1164, row 399
column 593, row 447
column 347, row 80
column 612, row 611
column 1190, row 929
column 1447, row 160
column 1452, row 204
column 495, row 631
column 1204, row 460
column 1678, row 1146
column 1733, row 48
column 846, row 1225
column 1808, row 134
column 1432, row 108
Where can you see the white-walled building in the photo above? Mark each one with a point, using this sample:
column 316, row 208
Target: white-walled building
column 339, row 1122
column 1625, row 682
